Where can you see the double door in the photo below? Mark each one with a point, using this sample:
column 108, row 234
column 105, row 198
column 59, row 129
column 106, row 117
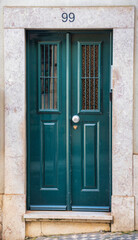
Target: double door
column 68, row 120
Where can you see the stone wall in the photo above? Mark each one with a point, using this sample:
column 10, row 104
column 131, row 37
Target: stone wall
column 1, row 205
column 134, row 166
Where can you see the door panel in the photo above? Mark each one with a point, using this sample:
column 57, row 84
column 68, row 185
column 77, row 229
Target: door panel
column 49, row 158
column 46, row 121
column 90, row 141
column 89, row 155
column 48, row 140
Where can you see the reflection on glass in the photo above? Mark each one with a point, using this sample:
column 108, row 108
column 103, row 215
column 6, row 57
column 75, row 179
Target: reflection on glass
column 48, row 76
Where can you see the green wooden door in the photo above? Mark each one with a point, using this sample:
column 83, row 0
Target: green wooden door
column 68, row 158
column 90, row 136
column 46, row 121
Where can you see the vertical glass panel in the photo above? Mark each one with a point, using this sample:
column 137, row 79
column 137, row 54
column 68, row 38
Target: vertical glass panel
column 48, row 78
column 42, row 93
column 55, row 93
column 87, row 76
column 55, row 61
column 42, row 60
column 46, row 93
column 90, row 76
column 46, row 59
column 96, row 79
column 83, row 77
column 92, row 79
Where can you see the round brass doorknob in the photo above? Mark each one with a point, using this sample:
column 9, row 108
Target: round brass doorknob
column 75, row 119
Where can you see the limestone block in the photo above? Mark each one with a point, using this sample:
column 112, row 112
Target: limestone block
column 13, row 224
column 92, row 17
column 135, row 163
column 1, row 153
column 33, row 229
column 49, row 228
column 14, row 68
column 104, row 217
column 1, row 201
column 0, row 231
column 123, row 213
column 15, row 175
column 1, row 208
column 122, row 147
column 37, row 228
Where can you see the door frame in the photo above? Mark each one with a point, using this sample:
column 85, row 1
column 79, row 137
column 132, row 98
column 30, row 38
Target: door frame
column 16, row 21
column 68, row 112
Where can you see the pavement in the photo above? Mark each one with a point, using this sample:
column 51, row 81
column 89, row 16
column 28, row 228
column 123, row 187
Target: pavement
column 92, row 236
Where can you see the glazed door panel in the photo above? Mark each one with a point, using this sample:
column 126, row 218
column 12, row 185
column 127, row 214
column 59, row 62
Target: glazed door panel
column 90, row 136
column 46, row 117
column 81, row 182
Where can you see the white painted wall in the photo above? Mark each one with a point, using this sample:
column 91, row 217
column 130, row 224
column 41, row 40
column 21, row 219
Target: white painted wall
column 53, row 3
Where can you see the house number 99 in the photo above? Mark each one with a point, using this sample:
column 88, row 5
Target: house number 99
column 68, row 17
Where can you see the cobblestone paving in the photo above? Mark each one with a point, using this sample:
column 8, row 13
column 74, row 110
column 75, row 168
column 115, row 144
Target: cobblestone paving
column 92, row 236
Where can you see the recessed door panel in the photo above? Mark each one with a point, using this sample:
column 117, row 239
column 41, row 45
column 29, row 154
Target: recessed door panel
column 90, row 156
column 49, row 136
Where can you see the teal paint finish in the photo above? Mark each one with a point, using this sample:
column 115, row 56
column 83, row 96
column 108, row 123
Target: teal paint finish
column 69, row 169
column 89, row 155
column 110, row 122
column 68, row 119
column 46, row 131
column 96, row 196
column 49, row 158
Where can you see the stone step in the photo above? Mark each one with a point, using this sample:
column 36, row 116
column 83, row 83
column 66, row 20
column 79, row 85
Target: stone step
column 46, row 223
column 68, row 216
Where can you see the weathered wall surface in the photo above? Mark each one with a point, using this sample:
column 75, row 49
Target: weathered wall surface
column 44, row 3
column 53, row 3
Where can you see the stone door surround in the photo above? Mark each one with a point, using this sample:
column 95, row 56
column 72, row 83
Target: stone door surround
column 16, row 21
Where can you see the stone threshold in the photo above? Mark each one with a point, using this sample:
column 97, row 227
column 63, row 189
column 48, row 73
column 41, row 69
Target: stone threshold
column 101, row 217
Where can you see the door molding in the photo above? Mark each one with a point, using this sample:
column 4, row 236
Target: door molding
column 16, row 20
